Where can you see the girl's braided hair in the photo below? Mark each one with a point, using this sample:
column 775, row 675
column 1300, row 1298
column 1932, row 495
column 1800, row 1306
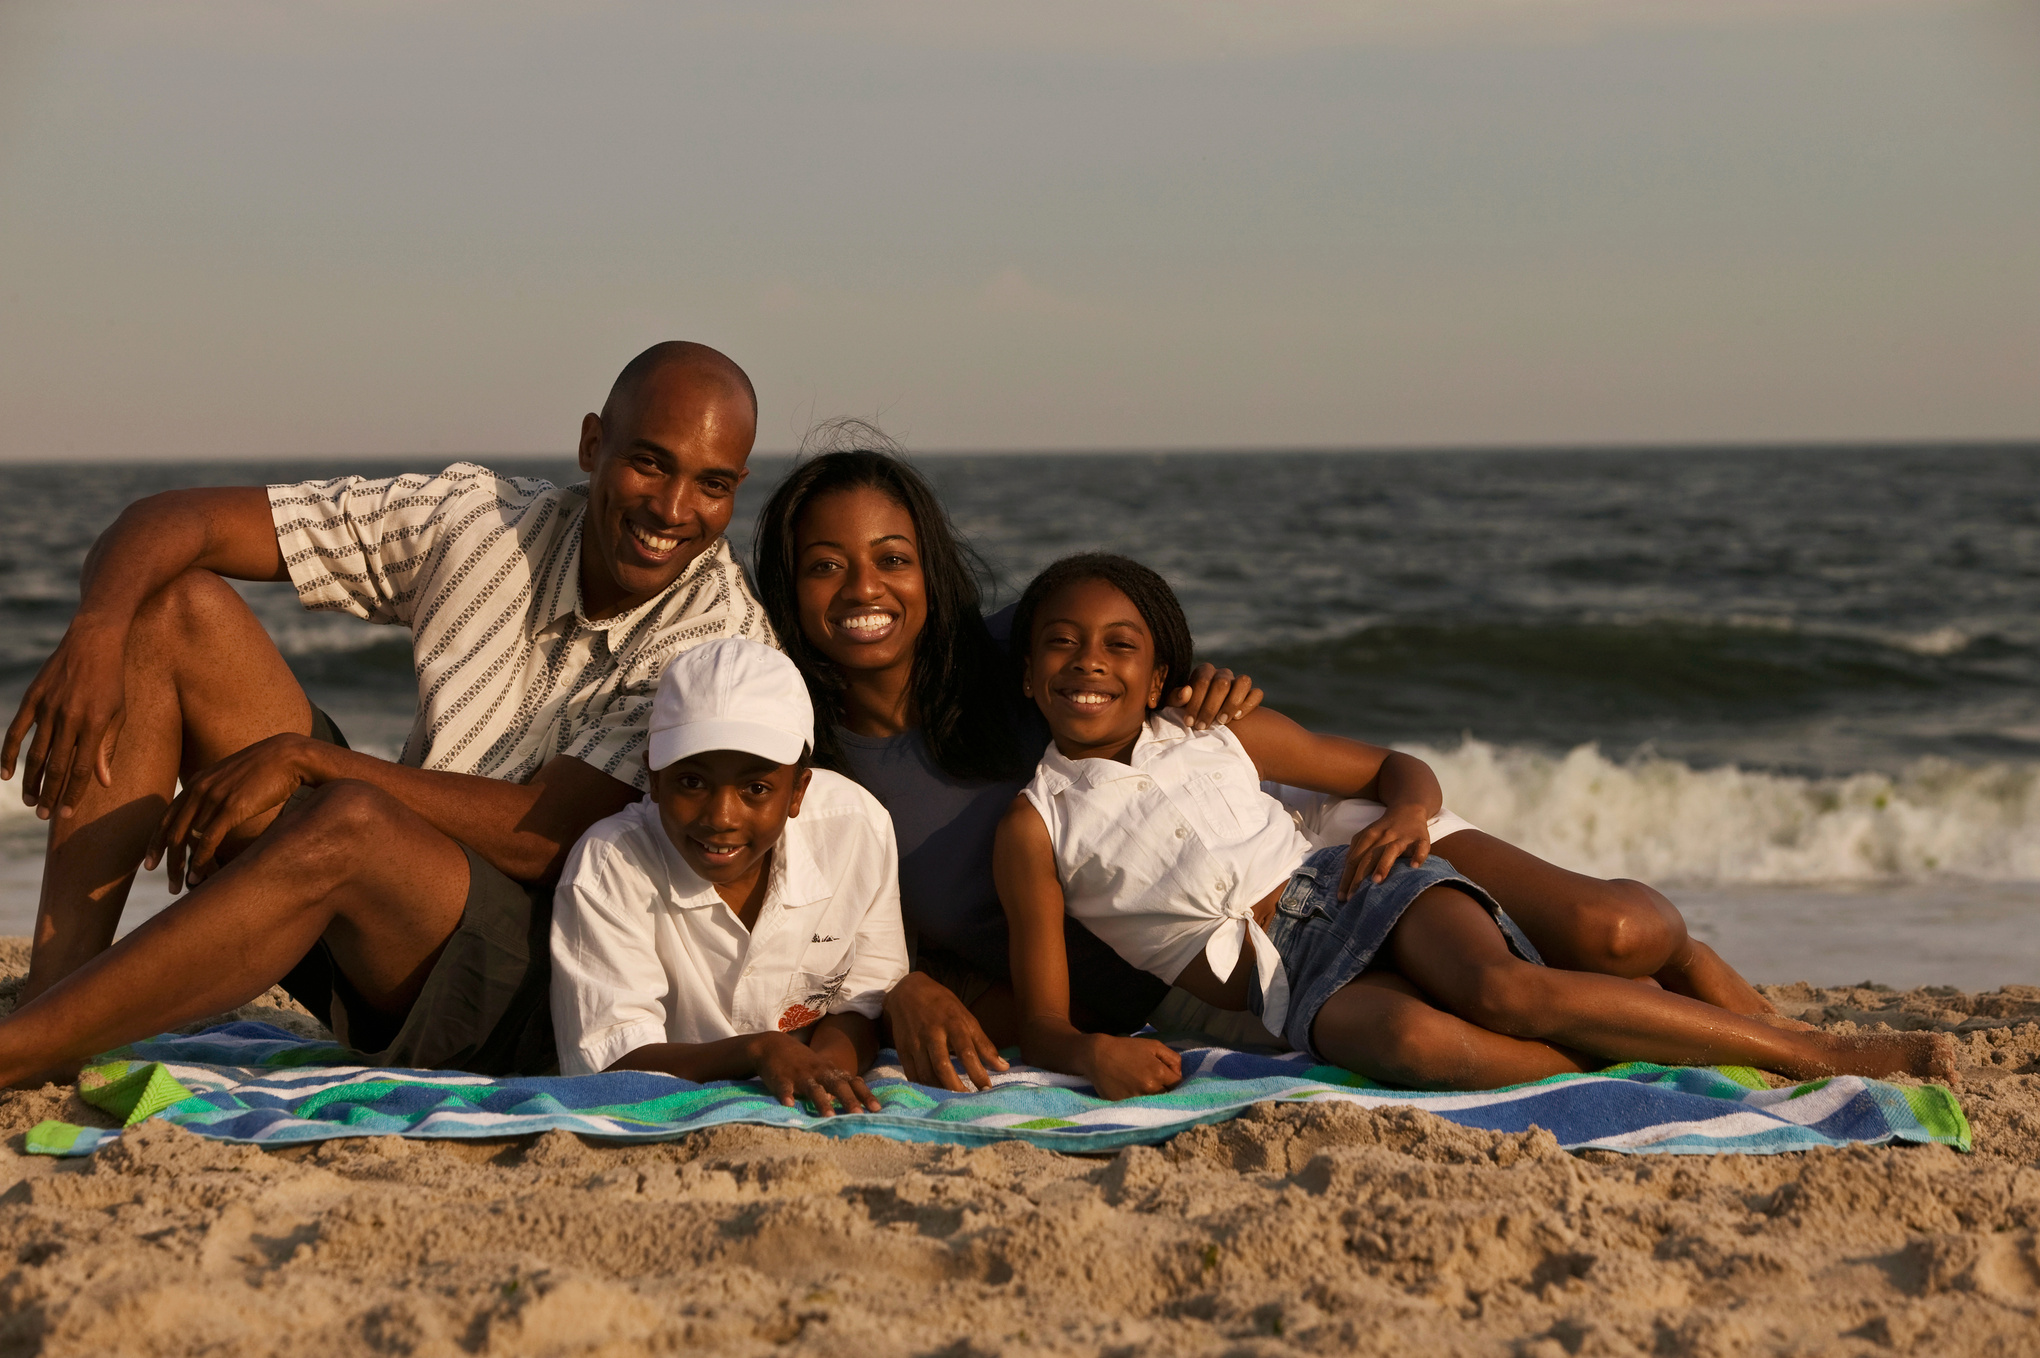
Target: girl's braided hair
column 1149, row 593
column 962, row 693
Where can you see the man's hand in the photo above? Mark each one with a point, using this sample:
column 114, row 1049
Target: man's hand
column 792, row 1070
column 1402, row 831
column 1215, row 697
column 929, row 1025
column 1122, row 1067
column 77, row 704
column 232, row 792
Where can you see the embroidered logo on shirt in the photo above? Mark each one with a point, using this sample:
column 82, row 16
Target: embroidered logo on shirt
column 825, row 938
column 808, row 997
column 797, row 1017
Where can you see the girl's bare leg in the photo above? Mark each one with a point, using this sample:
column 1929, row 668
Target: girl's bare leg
column 1449, row 948
column 1381, row 1027
column 1581, row 923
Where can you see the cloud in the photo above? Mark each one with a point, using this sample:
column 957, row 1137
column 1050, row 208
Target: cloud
column 781, row 298
column 1009, row 292
column 1196, row 31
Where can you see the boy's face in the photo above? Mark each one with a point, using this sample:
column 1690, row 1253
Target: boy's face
column 725, row 809
column 1091, row 668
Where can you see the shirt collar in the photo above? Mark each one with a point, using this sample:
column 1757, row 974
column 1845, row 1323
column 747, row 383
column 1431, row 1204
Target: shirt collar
column 560, row 600
column 1061, row 773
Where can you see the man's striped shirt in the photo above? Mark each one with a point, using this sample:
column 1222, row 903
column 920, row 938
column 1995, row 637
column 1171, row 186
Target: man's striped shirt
column 485, row 570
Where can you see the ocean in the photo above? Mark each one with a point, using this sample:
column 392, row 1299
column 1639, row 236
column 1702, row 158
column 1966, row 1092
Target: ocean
column 1799, row 688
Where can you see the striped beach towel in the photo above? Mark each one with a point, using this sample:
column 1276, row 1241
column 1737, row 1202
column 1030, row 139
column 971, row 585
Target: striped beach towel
column 252, row 1083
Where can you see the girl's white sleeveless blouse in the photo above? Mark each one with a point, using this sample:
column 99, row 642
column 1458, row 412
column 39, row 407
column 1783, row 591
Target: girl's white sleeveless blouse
column 1165, row 857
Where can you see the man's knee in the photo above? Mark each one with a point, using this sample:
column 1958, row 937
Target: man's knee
column 190, row 609
column 332, row 831
column 1625, row 928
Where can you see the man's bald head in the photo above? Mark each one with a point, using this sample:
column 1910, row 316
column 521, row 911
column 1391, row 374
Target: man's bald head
column 676, row 362
column 664, row 460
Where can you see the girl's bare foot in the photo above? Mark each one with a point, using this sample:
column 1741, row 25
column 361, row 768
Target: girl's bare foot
column 1929, row 1056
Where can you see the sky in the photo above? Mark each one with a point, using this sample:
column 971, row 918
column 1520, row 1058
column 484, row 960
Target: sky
column 280, row 230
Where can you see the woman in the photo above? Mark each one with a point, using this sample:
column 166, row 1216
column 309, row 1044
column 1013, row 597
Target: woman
column 877, row 601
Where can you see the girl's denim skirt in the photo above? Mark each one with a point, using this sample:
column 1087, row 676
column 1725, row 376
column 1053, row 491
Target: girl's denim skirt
column 1325, row 942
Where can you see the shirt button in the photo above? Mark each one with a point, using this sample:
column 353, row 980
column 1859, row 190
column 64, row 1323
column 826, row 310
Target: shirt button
column 1144, row 784
column 1218, row 885
column 1182, row 832
column 1218, row 778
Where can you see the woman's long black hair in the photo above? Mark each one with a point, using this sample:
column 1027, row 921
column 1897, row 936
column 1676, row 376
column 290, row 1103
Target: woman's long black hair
column 962, row 691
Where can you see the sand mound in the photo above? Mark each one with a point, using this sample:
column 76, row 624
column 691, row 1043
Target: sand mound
column 1315, row 1229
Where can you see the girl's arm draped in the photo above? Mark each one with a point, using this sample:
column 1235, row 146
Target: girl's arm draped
column 1284, row 752
column 1404, row 784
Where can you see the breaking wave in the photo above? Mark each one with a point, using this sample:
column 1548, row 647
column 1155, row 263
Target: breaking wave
column 1666, row 822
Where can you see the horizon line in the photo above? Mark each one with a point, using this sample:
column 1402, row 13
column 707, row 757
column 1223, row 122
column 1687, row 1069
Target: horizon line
column 1955, row 444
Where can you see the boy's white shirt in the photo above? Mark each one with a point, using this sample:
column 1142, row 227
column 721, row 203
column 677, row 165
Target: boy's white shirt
column 645, row 951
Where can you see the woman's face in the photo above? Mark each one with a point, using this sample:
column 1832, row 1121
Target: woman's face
column 857, row 577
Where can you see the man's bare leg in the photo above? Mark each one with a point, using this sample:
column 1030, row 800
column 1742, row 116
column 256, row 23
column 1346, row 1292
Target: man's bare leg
column 1617, row 928
column 352, row 865
column 203, row 680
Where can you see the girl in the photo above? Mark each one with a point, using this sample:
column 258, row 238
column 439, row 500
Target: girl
column 1377, row 956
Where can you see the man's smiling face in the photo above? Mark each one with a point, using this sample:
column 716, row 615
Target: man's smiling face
column 664, row 461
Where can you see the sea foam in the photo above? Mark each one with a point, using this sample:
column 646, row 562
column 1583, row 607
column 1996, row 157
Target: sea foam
column 1664, row 821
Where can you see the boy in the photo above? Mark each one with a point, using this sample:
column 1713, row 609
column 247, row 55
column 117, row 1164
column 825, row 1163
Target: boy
column 744, row 918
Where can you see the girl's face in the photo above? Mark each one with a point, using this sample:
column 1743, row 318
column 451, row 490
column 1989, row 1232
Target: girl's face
column 1091, row 669
column 857, row 579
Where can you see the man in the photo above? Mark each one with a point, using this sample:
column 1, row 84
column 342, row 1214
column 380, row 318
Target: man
column 407, row 903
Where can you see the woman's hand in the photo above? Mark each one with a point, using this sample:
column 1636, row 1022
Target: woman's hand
column 793, row 1070
column 929, row 1026
column 1122, row 1067
column 1402, row 831
column 232, row 792
column 1215, row 697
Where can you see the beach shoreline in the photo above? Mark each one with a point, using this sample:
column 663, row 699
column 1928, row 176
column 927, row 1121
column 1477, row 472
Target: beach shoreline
column 1312, row 1229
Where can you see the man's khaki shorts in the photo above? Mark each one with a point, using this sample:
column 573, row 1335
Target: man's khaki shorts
column 484, row 1006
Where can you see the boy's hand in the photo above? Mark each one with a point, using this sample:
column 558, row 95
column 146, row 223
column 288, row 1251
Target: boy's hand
column 1215, row 697
column 1402, row 831
column 929, row 1024
column 1121, row 1067
column 792, row 1070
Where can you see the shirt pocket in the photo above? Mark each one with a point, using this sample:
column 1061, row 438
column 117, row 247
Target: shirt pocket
column 1228, row 801
column 808, row 996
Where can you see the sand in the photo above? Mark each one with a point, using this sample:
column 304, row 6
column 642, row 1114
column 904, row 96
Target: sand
column 1318, row 1230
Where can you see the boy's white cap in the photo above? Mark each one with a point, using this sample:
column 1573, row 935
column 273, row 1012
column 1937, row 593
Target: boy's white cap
column 731, row 694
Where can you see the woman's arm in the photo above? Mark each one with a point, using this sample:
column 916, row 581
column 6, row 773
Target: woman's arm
column 1284, row 752
column 1023, row 868
column 823, row 1069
